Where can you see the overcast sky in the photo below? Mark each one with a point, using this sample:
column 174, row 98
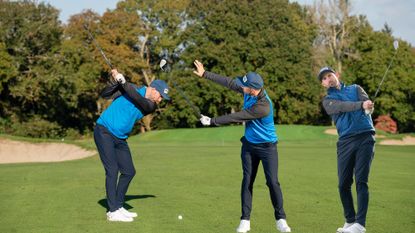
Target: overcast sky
column 398, row 14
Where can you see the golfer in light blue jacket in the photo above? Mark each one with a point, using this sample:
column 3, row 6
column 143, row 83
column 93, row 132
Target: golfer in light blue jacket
column 130, row 104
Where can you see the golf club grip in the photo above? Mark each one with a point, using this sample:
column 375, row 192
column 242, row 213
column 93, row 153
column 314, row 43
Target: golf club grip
column 99, row 47
column 195, row 110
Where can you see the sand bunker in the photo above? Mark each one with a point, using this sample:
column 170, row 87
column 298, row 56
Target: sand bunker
column 331, row 131
column 334, row 132
column 24, row 152
column 406, row 141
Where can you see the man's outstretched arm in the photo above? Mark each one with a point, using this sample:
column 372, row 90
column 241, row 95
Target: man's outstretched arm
column 222, row 80
column 338, row 106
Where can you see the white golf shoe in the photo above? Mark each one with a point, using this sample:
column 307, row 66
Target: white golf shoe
column 282, row 226
column 244, row 226
column 345, row 226
column 117, row 216
column 127, row 213
column 355, row 228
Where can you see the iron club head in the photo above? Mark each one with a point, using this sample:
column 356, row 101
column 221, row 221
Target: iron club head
column 396, row 44
column 164, row 66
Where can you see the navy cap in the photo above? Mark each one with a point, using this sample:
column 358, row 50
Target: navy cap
column 251, row 79
column 161, row 87
column 324, row 71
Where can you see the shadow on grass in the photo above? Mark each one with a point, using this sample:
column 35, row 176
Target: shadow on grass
column 103, row 202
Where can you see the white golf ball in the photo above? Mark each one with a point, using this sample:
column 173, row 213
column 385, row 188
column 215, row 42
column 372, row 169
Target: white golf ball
column 180, row 217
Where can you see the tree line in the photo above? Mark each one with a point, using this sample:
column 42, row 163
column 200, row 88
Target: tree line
column 51, row 73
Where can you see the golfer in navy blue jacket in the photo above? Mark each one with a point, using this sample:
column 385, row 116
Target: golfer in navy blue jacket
column 258, row 144
column 350, row 108
column 130, row 104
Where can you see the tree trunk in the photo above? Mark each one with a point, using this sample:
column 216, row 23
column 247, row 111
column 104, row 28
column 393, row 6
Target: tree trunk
column 332, row 18
column 146, row 123
column 148, row 78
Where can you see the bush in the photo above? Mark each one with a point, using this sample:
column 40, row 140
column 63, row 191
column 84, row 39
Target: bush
column 38, row 128
column 4, row 124
column 71, row 133
column 386, row 123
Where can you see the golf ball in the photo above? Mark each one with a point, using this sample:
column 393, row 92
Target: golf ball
column 180, row 217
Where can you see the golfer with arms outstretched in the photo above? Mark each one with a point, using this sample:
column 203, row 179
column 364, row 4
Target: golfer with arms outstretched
column 259, row 144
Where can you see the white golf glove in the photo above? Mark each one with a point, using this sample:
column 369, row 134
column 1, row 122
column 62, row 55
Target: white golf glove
column 205, row 120
column 120, row 78
column 368, row 106
column 369, row 111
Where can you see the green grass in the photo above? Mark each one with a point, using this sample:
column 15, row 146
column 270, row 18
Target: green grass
column 196, row 173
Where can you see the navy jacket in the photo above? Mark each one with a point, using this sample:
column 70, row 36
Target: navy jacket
column 345, row 108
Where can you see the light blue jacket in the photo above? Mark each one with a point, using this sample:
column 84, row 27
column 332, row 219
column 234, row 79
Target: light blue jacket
column 119, row 118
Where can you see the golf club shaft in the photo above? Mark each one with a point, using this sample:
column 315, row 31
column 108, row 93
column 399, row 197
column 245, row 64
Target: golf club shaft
column 99, row 47
column 166, row 68
column 195, row 110
column 384, row 75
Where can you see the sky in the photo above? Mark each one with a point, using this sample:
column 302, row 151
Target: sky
column 398, row 14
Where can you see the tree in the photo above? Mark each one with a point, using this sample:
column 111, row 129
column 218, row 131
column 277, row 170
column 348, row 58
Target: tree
column 7, row 72
column 335, row 30
column 29, row 36
column 137, row 34
column 49, row 80
column 387, row 29
column 396, row 96
column 234, row 37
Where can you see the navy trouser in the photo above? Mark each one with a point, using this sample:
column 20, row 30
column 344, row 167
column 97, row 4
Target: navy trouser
column 354, row 155
column 251, row 155
column 116, row 157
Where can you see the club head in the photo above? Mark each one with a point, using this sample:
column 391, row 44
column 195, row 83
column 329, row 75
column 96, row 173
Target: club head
column 163, row 62
column 396, row 44
column 164, row 66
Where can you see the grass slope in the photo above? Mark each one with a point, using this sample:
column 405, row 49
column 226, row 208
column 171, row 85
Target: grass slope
column 196, row 173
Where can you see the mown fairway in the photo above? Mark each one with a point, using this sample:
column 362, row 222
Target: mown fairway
column 196, row 173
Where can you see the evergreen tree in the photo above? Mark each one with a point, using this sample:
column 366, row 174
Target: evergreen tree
column 396, row 96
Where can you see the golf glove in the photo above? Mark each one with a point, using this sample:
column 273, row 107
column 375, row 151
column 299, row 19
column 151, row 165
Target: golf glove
column 205, row 120
column 120, row 78
column 369, row 111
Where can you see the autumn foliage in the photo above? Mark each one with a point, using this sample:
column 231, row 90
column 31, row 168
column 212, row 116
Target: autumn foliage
column 386, row 123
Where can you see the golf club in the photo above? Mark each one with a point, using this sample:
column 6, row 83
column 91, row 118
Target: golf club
column 166, row 68
column 99, row 47
column 395, row 45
